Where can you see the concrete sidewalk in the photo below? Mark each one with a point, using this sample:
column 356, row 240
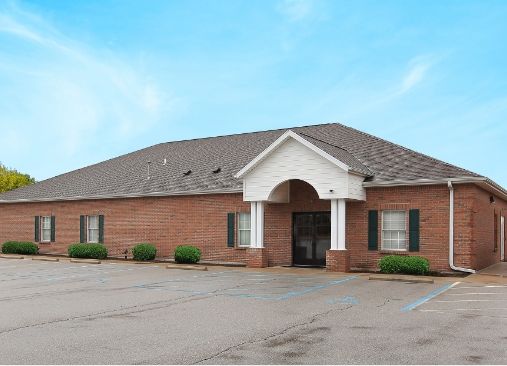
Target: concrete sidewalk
column 498, row 269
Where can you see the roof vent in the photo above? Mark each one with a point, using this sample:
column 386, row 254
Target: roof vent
column 187, row 173
column 217, row 170
column 165, row 161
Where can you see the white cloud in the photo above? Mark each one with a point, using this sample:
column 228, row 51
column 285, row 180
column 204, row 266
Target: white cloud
column 414, row 75
column 53, row 86
column 295, row 10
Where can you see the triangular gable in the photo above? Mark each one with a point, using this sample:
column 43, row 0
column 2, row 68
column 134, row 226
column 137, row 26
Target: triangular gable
column 279, row 141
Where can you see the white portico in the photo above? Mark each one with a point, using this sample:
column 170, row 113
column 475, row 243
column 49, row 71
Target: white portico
column 266, row 180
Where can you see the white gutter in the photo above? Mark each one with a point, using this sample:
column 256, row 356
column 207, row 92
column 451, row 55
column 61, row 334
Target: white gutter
column 451, row 232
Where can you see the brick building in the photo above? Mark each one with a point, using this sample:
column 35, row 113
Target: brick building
column 323, row 195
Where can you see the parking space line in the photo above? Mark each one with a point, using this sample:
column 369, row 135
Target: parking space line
column 487, row 286
column 467, row 300
column 428, row 297
column 477, row 293
column 452, row 310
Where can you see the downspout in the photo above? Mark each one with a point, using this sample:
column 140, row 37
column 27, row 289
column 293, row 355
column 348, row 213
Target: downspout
column 451, row 232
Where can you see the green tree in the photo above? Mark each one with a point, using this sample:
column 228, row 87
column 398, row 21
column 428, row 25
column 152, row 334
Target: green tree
column 11, row 179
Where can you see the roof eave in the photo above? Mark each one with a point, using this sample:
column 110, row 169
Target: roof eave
column 483, row 182
column 119, row 196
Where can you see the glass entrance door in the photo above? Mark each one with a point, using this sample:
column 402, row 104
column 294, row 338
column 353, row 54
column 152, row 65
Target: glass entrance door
column 311, row 238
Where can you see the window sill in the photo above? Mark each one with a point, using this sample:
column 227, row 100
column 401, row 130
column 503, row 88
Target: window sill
column 397, row 252
column 241, row 248
column 44, row 242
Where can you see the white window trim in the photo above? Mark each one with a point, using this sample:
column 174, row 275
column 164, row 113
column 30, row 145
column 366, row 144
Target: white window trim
column 241, row 230
column 41, row 226
column 382, row 232
column 88, row 229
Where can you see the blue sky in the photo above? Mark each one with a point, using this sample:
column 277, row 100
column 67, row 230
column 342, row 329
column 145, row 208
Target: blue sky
column 84, row 81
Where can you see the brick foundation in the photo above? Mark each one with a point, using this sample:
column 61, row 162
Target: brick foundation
column 338, row 260
column 257, row 257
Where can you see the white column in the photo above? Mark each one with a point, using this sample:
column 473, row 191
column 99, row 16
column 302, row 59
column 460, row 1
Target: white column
column 341, row 224
column 334, row 224
column 253, row 224
column 260, row 224
column 338, row 224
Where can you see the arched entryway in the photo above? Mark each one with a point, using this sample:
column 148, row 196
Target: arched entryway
column 267, row 183
column 309, row 231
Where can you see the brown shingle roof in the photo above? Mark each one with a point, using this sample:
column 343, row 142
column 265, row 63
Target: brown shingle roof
column 127, row 175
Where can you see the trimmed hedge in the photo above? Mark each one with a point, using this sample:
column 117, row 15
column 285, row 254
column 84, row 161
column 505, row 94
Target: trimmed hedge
column 187, row 254
column 80, row 250
column 144, row 252
column 404, row 264
column 19, row 247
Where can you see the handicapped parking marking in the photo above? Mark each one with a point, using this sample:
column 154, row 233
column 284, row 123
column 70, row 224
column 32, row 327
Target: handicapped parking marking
column 244, row 292
column 347, row 300
column 427, row 297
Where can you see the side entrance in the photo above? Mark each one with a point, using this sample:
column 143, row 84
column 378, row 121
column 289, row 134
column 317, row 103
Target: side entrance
column 311, row 238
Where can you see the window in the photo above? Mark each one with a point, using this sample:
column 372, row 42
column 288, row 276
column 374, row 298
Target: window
column 45, row 228
column 93, row 229
column 495, row 226
column 244, row 229
column 394, row 230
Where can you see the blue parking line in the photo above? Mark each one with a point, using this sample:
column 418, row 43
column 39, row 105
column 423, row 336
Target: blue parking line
column 427, row 297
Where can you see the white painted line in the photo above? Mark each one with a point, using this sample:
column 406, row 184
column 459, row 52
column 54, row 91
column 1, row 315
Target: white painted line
column 477, row 300
column 478, row 293
column 488, row 286
column 451, row 310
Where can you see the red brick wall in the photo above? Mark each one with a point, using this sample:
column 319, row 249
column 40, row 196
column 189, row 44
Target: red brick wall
column 484, row 251
column 433, row 203
column 202, row 221
column 164, row 221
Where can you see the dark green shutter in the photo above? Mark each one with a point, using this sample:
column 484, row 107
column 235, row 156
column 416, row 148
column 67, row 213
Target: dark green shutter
column 101, row 229
column 53, row 229
column 37, row 229
column 82, row 229
column 413, row 236
column 231, row 220
column 372, row 230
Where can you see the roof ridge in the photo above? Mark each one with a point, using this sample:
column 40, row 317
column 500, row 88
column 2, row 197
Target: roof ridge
column 338, row 147
column 249, row 133
column 407, row 149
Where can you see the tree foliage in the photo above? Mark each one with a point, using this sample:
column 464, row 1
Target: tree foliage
column 11, row 179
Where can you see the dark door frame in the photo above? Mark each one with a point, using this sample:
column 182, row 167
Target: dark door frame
column 293, row 226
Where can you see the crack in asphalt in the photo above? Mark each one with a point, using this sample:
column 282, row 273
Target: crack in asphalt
column 122, row 310
column 313, row 319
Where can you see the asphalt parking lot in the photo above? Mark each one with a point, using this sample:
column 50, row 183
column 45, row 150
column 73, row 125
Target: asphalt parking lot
column 70, row 313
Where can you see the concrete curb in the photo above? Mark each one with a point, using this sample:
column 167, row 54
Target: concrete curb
column 12, row 256
column 89, row 261
column 187, row 267
column 400, row 279
column 46, row 259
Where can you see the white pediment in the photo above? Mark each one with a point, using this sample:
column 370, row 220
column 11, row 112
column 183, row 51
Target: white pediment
column 292, row 157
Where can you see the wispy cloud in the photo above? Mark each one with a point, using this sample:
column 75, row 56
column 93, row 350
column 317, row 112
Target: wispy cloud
column 415, row 74
column 70, row 92
column 296, row 10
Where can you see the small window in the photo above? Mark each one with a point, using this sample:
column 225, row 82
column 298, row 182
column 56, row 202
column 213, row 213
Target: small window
column 45, row 228
column 93, row 229
column 244, row 229
column 495, row 226
column 394, row 230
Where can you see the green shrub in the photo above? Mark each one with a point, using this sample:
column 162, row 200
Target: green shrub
column 80, row 250
column 144, row 252
column 187, row 254
column 404, row 264
column 19, row 247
